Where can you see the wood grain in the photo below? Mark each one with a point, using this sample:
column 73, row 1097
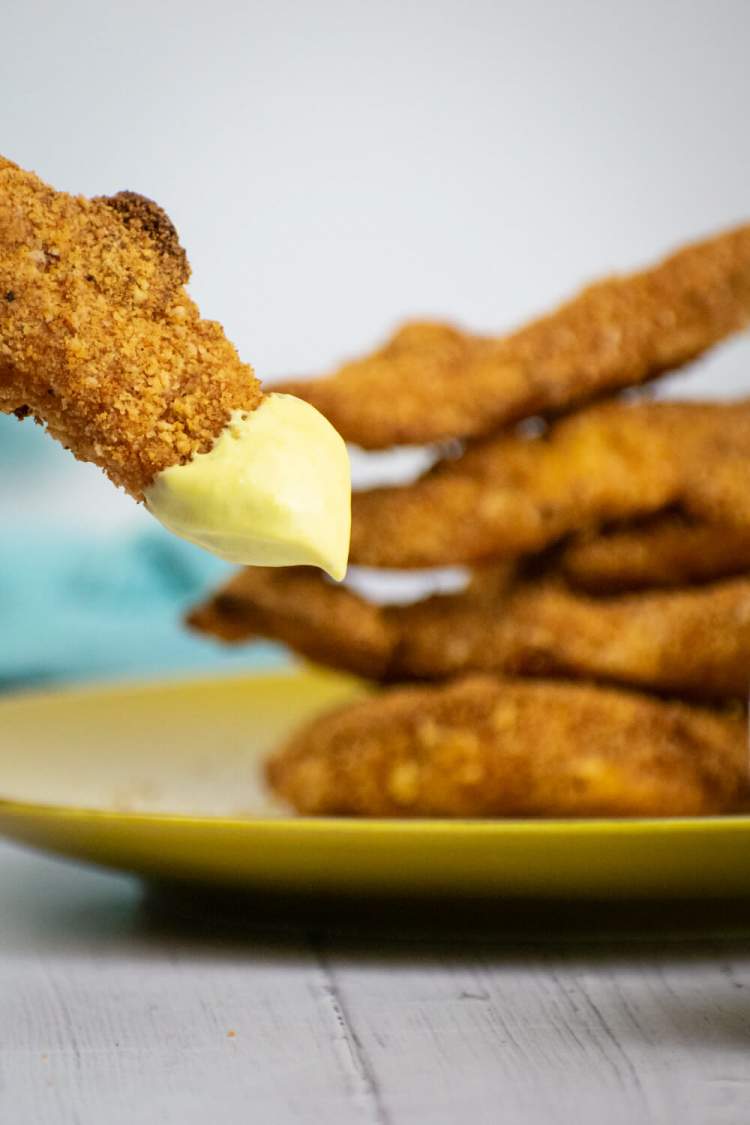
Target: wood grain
column 110, row 1014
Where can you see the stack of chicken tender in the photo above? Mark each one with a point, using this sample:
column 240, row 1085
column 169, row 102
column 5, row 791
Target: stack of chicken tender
column 598, row 660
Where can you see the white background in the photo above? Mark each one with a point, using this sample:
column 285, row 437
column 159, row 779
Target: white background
column 336, row 167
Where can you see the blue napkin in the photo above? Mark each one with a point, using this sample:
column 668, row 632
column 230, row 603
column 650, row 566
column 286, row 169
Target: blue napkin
column 72, row 608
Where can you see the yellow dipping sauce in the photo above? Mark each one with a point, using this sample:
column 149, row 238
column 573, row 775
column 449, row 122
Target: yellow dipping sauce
column 275, row 490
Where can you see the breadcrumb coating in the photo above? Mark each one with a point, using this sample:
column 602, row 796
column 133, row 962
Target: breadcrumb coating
column 513, row 495
column 484, row 747
column 433, row 381
column 690, row 642
column 329, row 624
column 99, row 340
column 665, row 551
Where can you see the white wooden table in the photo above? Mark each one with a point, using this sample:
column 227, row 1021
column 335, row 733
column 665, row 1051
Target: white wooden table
column 111, row 1014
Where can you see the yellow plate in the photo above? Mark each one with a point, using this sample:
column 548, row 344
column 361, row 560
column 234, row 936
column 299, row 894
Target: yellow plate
column 164, row 780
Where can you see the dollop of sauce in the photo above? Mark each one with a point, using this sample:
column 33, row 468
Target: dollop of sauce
column 275, row 490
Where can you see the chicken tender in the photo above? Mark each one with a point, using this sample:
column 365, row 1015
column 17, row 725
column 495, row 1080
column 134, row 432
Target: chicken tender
column 691, row 642
column 513, row 495
column 98, row 338
column 329, row 624
column 484, row 747
column 665, row 551
column 432, row 381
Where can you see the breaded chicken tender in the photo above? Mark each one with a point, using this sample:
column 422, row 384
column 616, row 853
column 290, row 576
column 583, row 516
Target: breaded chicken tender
column 332, row 624
column 692, row 642
column 98, row 338
column 432, row 381
column 513, row 495
column 484, row 747
column 665, row 551
column 329, row 624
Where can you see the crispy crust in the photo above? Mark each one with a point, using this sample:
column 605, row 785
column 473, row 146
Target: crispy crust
column 98, row 339
column 326, row 623
column 433, row 381
column 693, row 642
column 484, row 747
column 665, row 551
column 513, row 495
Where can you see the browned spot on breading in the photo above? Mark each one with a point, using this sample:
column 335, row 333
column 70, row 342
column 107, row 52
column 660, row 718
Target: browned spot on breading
column 154, row 221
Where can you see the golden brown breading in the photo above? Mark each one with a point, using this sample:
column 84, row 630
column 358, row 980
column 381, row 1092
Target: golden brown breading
column 326, row 623
column 432, row 381
column 513, row 495
column 98, row 338
column 329, row 623
column 665, row 551
column 484, row 747
column 693, row 642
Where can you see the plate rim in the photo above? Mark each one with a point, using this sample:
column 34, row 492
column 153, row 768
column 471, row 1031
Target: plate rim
column 466, row 826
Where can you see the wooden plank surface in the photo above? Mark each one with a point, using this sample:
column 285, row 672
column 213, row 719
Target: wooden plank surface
column 111, row 1014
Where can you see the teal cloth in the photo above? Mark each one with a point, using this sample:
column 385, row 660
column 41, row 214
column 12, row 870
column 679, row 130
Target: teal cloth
column 75, row 608
column 87, row 607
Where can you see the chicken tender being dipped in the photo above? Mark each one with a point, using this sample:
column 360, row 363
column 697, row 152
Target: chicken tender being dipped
column 100, row 342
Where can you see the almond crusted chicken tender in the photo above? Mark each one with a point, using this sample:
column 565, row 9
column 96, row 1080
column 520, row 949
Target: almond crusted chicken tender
column 330, row 624
column 665, row 551
column 98, row 338
column 691, row 642
column 512, row 495
column 432, row 381
column 483, row 747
